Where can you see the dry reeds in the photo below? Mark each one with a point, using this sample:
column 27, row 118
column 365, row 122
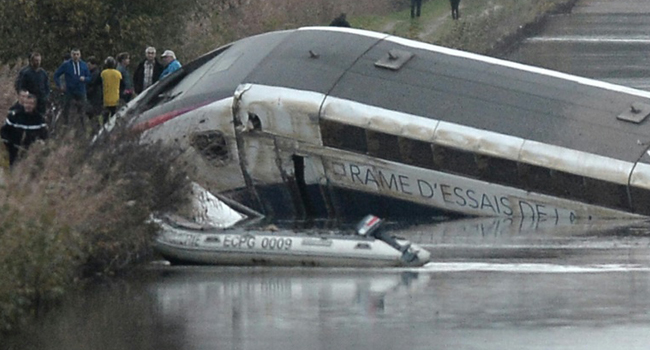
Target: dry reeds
column 70, row 209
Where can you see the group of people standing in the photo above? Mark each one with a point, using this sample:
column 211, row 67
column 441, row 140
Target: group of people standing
column 95, row 91
column 102, row 90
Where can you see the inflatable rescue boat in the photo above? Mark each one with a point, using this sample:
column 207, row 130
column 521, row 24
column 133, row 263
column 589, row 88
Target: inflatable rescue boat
column 369, row 246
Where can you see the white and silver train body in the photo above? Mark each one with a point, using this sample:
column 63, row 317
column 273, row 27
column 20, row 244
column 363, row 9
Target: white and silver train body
column 335, row 122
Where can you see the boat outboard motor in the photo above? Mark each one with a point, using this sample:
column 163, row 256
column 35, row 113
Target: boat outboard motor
column 369, row 226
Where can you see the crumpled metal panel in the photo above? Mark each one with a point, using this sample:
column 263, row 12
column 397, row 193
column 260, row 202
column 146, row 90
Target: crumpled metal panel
column 177, row 132
column 281, row 111
column 260, row 160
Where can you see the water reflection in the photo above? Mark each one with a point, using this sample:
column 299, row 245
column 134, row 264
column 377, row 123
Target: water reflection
column 262, row 298
column 494, row 284
column 269, row 308
column 237, row 308
column 511, row 228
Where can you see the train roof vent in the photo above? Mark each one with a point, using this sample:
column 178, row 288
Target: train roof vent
column 394, row 59
column 636, row 113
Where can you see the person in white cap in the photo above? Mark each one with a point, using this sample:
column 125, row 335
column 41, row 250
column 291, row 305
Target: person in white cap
column 170, row 62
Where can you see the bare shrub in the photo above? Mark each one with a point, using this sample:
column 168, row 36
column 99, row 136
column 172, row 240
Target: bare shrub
column 71, row 208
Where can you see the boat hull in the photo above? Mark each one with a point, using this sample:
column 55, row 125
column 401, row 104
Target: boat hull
column 251, row 248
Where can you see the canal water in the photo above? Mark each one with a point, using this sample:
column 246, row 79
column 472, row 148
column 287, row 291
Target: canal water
column 493, row 284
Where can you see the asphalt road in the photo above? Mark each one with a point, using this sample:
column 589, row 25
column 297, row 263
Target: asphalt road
column 601, row 39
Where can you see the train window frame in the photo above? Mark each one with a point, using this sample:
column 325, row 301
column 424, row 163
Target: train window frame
column 343, row 136
column 464, row 162
column 502, row 171
column 382, row 145
column 607, row 194
column 416, row 152
column 640, row 200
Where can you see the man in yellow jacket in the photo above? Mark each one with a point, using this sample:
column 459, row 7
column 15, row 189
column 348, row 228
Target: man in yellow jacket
column 111, row 81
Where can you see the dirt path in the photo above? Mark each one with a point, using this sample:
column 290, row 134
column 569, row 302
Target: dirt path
column 431, row 26
column 427, row 27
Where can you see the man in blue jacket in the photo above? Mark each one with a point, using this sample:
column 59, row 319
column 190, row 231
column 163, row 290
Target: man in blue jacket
column 170, row 62
column 77, row 75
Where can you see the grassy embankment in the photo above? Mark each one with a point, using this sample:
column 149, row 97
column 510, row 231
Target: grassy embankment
column 485, row 27
column 69, row 209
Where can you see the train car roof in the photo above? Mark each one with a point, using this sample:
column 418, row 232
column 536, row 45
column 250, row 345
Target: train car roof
column 436, row 82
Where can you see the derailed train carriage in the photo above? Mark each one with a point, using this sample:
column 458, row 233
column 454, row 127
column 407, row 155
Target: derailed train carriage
column 325, row 121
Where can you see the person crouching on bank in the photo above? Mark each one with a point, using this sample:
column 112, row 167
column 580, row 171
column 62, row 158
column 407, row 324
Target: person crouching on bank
column 23, row 127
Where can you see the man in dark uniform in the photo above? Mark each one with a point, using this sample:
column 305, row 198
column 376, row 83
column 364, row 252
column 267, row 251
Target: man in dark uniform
column 416, row 7
column 455, row 14
column 22, row 128
column 18, row 105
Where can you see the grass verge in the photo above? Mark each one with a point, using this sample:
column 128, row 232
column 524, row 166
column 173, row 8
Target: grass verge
column 485, row 27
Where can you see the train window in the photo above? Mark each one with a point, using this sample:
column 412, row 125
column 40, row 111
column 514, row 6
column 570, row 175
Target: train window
column 382, row 145
column 417, row 153
column 497, row 170
column 566, row 185
column 640, row 200
column 455, row 161
column 573, row 187
column 212, row 146
column 608, row 194
column 534, row 178
column 224, row 64
column 174, row 85
column 343, row 136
